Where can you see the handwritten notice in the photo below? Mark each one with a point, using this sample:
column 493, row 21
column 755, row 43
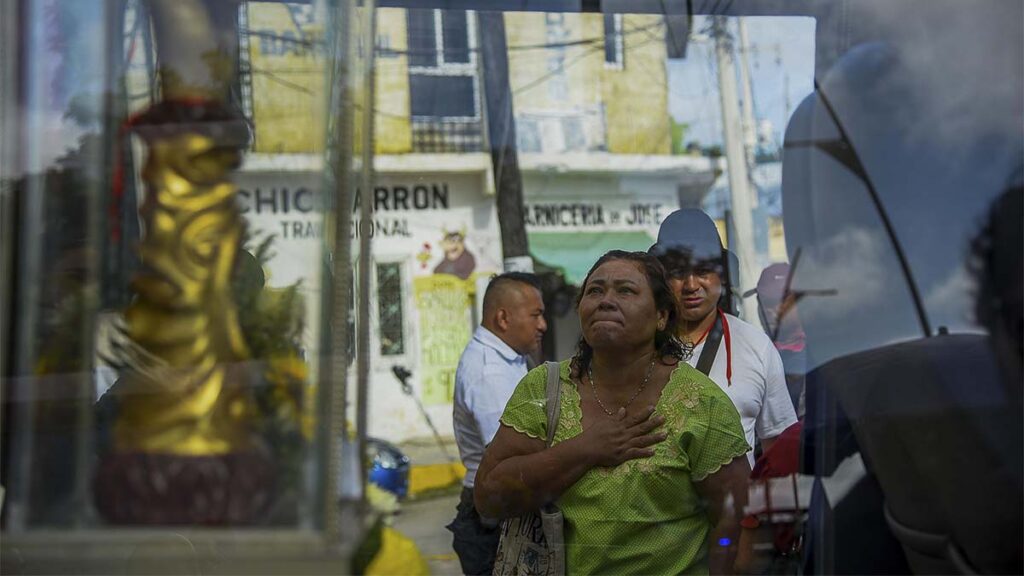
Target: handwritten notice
column 444, row 303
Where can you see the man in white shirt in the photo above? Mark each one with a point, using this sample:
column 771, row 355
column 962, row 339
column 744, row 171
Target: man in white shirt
column 740, row 358
column 490, row 368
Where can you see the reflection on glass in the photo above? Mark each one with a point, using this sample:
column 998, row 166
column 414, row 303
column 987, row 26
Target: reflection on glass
column 187, row 397
column 184, row 181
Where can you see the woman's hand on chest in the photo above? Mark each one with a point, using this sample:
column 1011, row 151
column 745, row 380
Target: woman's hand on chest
column 611, row 440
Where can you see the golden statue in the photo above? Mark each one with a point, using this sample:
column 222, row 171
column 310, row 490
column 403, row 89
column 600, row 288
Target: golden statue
column 185, row 448
column 190, row 398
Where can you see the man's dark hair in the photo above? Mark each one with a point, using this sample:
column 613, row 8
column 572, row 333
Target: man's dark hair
column 502, row 282
column 665, row 342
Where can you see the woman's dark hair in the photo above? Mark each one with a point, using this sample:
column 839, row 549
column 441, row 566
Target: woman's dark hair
column 665, row 341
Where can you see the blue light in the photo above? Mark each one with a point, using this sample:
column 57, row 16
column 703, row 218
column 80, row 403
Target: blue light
column 724, row 542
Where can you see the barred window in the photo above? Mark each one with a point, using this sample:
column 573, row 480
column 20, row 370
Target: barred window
column 438, row 37
column 389, row 309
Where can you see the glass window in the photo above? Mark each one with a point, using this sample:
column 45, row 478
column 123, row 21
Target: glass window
column 390, row 321
column 820, row 139
column 172, row 247
column 443, row 85
column 214, row 244
column 455, row 36
column 438, row 37
column 422, row 38
column 443, row 96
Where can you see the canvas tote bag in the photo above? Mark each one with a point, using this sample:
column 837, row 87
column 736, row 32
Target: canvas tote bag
column 533, row 544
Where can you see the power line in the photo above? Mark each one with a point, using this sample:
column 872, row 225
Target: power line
column 594, row 45
column 274, row 77
column 561, row 69
column 392, row 51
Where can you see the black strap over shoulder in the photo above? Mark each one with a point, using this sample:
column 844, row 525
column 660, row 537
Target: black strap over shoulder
column 710, row 350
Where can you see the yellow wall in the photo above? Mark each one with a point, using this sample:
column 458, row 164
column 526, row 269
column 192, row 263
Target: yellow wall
column 777, row 240
column 529, row 73
column 288, row 81
column 635, row 97
column 393, row 128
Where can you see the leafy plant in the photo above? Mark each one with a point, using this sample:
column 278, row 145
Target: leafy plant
column 272, row 320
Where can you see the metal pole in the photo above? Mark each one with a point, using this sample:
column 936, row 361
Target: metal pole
column 334, row 360
column 749, row 122
column 86, row 389
column 368, row 29
column 8, row 145
column 26, row 296
column 742, row 242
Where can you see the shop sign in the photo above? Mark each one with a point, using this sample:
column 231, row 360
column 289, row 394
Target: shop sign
column 595, row 216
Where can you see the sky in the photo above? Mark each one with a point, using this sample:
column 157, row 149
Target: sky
column 65, row 60
column 778, row 47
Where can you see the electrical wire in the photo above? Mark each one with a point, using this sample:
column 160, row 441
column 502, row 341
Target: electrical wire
column 392, row 51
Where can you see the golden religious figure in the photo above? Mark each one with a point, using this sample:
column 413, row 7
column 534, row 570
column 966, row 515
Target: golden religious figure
column 185, row 449
column 191, row 401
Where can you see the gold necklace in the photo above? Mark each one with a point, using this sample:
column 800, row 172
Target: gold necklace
column 593, row 388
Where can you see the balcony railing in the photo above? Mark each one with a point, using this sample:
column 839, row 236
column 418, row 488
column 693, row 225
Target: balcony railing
column 445, row 135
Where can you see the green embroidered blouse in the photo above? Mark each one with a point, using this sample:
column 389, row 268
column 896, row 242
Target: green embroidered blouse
column 643, row 516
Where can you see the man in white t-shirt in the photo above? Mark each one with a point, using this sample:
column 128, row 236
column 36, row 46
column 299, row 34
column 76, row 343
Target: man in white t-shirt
column 490, row 368
column 740, row 358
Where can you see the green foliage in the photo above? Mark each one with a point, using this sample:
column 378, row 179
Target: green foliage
column 272, row 322
column 679, row 130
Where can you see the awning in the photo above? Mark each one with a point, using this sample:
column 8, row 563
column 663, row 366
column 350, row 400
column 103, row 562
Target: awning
column 575, row 252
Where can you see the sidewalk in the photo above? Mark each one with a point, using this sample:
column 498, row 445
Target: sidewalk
column 424, row 521
column 435, row 480
column 434, row 468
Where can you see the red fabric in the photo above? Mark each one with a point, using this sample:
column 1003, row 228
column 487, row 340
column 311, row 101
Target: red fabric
column 783, row 458
column 794, row 346
column 706, row 332
column 728, row 347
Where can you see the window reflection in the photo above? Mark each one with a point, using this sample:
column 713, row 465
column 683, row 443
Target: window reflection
column 168, row 228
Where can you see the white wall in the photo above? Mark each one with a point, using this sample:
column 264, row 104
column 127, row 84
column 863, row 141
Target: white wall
column 413, row 211
column 393, row 415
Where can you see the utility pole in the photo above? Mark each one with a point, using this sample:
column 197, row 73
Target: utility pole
column 749, row 123
column 742, row 242
column 501, row 132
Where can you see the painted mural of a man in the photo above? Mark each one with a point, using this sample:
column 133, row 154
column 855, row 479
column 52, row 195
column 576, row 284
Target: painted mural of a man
column 457, row 260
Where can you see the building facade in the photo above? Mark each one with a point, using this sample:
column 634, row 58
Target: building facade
column 593, row 134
